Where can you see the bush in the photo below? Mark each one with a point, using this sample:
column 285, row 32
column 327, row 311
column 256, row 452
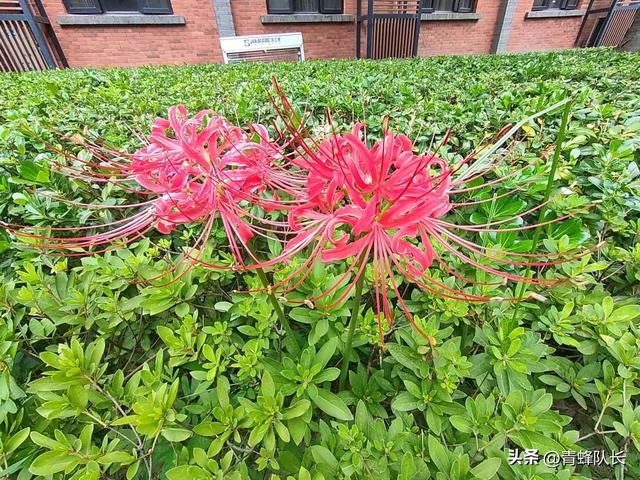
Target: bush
column 105, row 376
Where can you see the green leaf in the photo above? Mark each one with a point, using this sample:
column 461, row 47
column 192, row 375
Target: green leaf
column 78, row 396
column 209, row 429
column 327, row 375
column 322, row 454
column 268, row 388
column 405, row 402
column 434, row 421
column 297, row 429
column 326, row 352
column 133, row 470
column 223, row 306
column 46, row 442
column 222, row 390
column 304, row 474
column 487, row 469
column 305, row 315
column 462, row 424
column 14, row 467
column 407, row 468
column 190, row 472
column 319, row 330
column 16, row 440
column 625, row 314
column 282, row 431
column 175, row 434
column 116, row 457
column 182, row 309
column 97, row 350
column 53, row 462
column 258, row 433
column 542, row 404
column 620, row 428
column 543, row 443
column 30, row 170
column 438, row 454
column 332, row 405
column 363, row 417
column 296, row 410
column 408, row 357
column 167, row 336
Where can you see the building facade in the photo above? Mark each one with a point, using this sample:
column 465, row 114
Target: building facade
column 105, row 33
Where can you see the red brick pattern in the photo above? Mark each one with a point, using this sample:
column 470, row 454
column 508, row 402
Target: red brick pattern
column 449, row 37
column 197, row 41
column 122, row 46
column 533, row 34
column 321, row 40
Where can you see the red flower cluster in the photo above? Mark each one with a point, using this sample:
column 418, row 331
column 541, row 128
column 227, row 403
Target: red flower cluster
column 194, row 169
column 382, row 205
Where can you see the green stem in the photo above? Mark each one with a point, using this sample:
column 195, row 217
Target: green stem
column 522, row 287
column 355, row 311
column 290, row 340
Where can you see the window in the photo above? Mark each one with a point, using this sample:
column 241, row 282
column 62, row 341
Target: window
column 119, row 5
column 304, row 6
column 103, row 6
column 561, row 4
column 461, row 6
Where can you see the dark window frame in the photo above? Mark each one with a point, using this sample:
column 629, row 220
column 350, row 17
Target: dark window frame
column 168, row 10
column 456, row 8
column 564, row 5
column 290, row 10
column 98, row 8
column 280, row 11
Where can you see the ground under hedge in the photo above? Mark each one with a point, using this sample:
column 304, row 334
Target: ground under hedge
column 102, row 376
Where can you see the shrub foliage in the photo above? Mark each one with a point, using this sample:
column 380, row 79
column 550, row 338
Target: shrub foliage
column 103, row 375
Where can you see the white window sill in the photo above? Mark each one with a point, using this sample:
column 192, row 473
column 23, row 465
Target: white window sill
column 555, row 13
column 120, row 19
column 307, row 18
column 449, row 16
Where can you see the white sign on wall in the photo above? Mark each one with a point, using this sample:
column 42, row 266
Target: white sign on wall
column 261, row 43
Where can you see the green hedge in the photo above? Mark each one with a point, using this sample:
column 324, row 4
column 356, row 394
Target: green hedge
column 103, row 376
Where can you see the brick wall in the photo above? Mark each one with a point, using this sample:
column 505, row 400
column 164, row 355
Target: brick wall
column 321, row 40
column 131, row 45
column 449, row 37
column 197, row 41
column 533, row 34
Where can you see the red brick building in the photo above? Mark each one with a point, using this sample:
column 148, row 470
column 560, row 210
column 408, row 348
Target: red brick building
column 137, row 32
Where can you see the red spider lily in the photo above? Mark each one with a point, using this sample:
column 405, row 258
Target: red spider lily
column 384, row 206
column 192, row 169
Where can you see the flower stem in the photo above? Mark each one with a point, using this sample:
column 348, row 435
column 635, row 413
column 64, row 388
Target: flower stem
column 290, row 339
column 355, row 310
column 522, row 287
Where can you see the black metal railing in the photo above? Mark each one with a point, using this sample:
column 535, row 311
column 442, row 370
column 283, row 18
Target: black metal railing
column 392, row 28
column 607, row 23
column 27, row 40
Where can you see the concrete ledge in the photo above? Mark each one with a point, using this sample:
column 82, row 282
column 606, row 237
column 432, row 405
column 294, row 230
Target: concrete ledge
column 307, row 18
column 438, row 16
column 555, row 13
column 120, row 19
